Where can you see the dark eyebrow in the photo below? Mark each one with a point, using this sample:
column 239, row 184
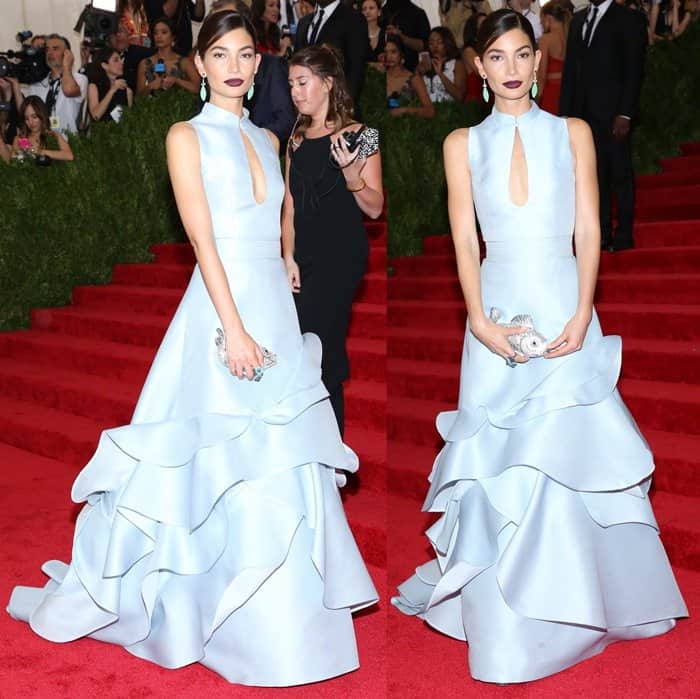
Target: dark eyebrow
column 524, row 46
column 248, row 47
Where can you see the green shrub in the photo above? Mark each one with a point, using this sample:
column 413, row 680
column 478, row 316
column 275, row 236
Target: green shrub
column 68, row 224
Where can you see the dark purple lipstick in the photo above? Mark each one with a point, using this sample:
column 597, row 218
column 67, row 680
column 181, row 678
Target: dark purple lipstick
column 513, row 84
column 234, row 82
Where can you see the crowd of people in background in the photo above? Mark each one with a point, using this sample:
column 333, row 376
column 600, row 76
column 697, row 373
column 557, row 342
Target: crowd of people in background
column 151, row 51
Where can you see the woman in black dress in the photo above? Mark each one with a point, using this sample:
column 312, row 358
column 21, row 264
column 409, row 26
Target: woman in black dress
column 328, row 189
column 108, row 93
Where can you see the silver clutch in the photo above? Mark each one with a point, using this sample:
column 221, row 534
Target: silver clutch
column 269, row 358
column 530, row 343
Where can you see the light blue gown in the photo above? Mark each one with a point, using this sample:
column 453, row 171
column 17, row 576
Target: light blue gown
column 213, row 530
column 547, row 550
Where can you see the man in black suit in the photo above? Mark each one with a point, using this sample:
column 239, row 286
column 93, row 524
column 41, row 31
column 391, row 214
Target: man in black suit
column 410, row 22
column 271, row 106
column 334, row 23
column 601, row 83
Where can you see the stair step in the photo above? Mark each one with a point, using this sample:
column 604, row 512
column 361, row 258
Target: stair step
column 663, row 405
column 684, row 163
column 661, row 234
column 370, row 447
column 182, row 254
column 49, row 432
column 365, row 404
column 666, row 179
column 139, row 328
column 643, row 288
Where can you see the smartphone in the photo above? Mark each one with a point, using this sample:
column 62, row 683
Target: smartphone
column 424, row 59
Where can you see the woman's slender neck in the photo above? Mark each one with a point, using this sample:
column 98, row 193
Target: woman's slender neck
column 230, row 104
column 373, row 26
column 514, row 107
column 166, row 53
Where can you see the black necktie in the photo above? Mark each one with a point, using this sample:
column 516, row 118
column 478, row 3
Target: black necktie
column 588, row 29
column 316, row 28
column 52, row 94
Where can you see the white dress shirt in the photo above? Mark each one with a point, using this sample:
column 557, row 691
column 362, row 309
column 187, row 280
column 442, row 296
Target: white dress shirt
column 67, row 108
column 602, row 9
column 534, row 20
column 328, row 10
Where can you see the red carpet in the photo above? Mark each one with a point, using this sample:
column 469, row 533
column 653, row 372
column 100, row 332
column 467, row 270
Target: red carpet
column 650, row 296
column 77, row 371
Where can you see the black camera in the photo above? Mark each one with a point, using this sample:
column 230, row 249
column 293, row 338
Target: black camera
column 97, row 24
column 28, row 65
column 352, row 139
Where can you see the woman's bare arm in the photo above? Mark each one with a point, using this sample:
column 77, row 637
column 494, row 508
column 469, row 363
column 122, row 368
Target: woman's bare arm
column 182, row 147
column 288, row 229
column 64, row 151
column 460, row 207
column 586, row 235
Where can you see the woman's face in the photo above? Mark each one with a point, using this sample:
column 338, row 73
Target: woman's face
column 509, row 65
column 436, row 46
column 114, row 66
column 229, row 64
column 272, row 11
column 370, row 10
column 162, row 36
column 392, row 55
column 32, row 120
column 309, row 92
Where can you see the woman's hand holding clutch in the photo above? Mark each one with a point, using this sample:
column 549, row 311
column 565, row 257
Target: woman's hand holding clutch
column 571, row 338
column 495, row 338
column 243, row 354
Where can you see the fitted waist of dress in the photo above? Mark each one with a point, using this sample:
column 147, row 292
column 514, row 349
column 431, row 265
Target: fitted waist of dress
column 528, row 248
column 246, row 249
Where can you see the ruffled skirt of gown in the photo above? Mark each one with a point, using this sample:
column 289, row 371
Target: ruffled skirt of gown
column 548, row 549
column 213, row 530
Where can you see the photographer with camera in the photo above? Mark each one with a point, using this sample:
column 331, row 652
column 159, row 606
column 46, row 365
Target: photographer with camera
column 333, row 177
column 108, row 92
column 63, row 90
column 35, row 137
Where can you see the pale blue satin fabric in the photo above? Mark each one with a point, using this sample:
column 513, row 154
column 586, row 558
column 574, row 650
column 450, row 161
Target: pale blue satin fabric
column 214, row 530
column 548, row 549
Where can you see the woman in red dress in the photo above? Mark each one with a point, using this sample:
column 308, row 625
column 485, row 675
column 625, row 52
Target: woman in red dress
column 474, row 82
column 555, row 22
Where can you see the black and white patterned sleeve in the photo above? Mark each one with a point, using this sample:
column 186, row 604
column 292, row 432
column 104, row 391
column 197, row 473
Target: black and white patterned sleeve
column 369, row 142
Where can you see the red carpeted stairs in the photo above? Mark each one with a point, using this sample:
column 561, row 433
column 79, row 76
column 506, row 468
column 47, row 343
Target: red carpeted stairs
column 650, row 296
column 79, row 370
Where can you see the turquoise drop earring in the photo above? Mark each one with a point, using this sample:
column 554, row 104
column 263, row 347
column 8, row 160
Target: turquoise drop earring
column 533, row 89
column 251, row 92
column 203, row 89
column 485, row 90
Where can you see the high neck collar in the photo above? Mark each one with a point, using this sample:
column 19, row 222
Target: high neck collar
column 223, row 115
column 512, row 120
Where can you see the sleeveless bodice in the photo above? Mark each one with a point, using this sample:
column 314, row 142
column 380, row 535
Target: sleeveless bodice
column 544, row 224
column 249, row 229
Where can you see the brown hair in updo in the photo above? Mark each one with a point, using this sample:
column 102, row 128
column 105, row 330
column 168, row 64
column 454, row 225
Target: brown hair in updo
column 559, row 11
column 499, row 23
column 218, row 24
column 324, row 61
